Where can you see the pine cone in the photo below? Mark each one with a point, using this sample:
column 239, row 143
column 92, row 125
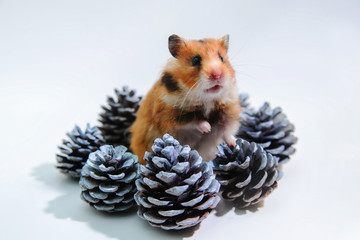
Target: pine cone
column 270, row 129
column 176, row 190
column 243, row 97
column 119, row 116
column 75, row 151
column 108, row 179
column 246, row 172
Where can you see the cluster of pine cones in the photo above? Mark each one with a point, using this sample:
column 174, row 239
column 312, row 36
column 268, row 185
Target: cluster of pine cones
column 175, row 189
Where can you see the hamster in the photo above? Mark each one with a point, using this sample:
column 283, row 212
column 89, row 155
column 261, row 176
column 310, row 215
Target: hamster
column 195, row 100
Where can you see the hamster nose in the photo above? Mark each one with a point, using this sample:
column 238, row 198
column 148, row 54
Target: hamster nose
column 216, row 75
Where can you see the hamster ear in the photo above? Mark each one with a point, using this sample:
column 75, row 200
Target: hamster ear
column 175, row 43
column 224, row 41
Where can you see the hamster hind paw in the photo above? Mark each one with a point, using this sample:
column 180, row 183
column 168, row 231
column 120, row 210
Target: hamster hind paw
column 230, row 140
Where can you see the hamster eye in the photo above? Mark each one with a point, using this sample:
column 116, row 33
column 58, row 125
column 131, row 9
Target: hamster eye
column 196, row 61
column 221, row 58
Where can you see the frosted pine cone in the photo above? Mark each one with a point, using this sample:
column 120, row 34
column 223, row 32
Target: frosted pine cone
column 246, row 172
column 118, row 116
column 176, row 190
column 108, row 179
column 270, row 129
column 75, row 152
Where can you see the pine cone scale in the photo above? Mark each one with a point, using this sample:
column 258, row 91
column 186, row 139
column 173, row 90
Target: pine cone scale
column 86, row 197
column 244, row 183
column 107, row 188
column 98, row 195
column 154, row 217
column 158, row 202
column 96, row 176
column 252, row 195
column 177, row 190
column 171, row 213
column 193, row 202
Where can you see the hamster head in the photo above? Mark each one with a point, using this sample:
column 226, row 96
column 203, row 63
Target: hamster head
column 201, row 68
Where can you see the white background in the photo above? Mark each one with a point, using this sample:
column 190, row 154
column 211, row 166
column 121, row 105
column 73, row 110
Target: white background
column 60, row 59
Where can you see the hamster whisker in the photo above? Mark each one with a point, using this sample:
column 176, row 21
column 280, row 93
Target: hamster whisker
column 179, row 99
column 187, row 94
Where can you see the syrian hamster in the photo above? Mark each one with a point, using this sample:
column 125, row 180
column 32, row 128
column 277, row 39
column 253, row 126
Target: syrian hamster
column 195, row 99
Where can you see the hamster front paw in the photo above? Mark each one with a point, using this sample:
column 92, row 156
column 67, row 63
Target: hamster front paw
column 203, row 126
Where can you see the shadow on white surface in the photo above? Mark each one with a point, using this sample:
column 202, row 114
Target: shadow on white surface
column 225, row 206
column 68, row 205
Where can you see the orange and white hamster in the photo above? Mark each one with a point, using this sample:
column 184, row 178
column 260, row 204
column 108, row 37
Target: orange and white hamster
column 195, row 100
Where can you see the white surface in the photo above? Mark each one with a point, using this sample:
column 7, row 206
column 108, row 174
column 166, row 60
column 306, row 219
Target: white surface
column 59, row 60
